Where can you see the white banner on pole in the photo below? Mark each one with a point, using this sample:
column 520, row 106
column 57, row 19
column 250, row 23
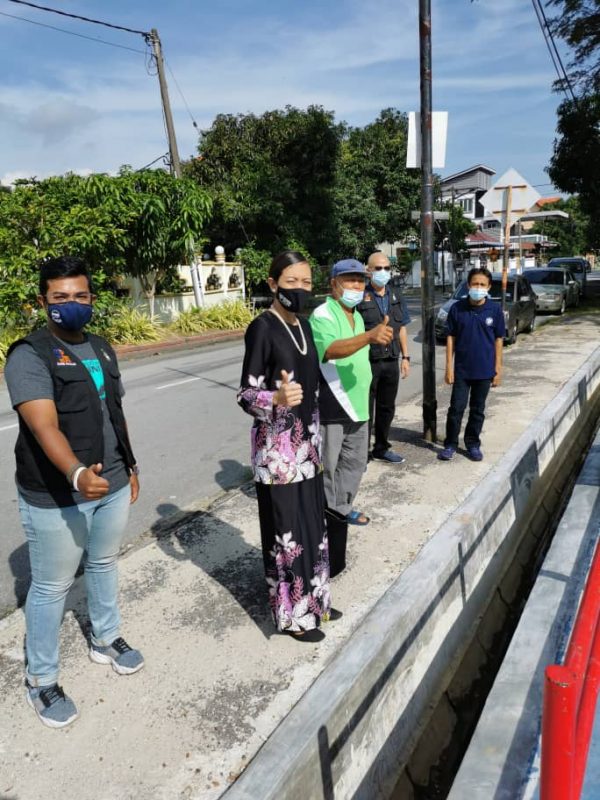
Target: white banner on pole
column 439, row 134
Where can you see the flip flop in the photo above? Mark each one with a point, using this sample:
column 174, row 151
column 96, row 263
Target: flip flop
column 354, row 516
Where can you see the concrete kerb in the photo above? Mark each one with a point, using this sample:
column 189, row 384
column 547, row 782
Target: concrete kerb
column 357, row 726
column 503, row 758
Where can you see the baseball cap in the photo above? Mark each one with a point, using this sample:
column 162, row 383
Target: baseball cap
column 348, row 265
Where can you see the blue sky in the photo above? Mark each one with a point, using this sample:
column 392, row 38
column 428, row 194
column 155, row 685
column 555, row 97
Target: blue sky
column 70, row 104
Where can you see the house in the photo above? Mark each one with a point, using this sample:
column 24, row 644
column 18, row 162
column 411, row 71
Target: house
column 466, row 188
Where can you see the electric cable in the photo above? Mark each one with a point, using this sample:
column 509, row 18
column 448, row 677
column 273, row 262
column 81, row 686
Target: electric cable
column 164, row 157
column 72, row 33
column 185, row 102
column 77, row 16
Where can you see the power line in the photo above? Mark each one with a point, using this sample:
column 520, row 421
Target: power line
column 194, row 123
column 77, row 16
column 164, row 158
column 72, row 33
column 563, row 78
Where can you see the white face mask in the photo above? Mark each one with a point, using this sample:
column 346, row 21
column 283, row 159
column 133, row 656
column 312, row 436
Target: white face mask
column 352, row 297
column 380, row 277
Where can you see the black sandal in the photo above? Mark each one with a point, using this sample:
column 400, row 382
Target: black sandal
column 314, row 635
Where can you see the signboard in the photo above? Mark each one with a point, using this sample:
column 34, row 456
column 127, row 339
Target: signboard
column 523, row 196
column 439, row 132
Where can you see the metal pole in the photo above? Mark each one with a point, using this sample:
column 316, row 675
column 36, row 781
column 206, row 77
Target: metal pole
column 506, row 254
column 427, row 276
column 164, row 94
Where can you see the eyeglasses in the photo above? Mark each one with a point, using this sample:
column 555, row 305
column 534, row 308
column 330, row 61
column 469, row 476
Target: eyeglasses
column 80, row 297
column 377, row 269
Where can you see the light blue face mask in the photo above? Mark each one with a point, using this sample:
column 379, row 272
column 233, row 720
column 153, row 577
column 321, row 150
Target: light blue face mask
column 477, row 294
column 352, row 297
column 380, row 277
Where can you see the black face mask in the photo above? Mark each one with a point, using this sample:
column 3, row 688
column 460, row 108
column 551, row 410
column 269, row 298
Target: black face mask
column 293, row 300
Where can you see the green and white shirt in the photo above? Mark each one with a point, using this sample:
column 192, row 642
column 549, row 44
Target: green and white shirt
column 345, row 382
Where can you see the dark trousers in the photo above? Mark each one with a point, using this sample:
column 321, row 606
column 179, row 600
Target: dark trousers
column 461, row 389
column 382, row 401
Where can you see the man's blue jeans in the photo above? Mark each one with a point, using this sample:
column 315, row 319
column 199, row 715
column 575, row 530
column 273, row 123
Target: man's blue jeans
column 461, row 389
column 57, row 539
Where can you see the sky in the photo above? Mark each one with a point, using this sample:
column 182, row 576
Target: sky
column 70, row 104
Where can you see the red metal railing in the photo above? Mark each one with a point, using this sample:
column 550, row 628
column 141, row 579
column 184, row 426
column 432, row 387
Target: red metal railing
column 570, row 693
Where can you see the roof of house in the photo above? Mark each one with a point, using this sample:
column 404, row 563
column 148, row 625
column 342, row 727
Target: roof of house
column 546, row 201
column 481, row 239
column 476, row 168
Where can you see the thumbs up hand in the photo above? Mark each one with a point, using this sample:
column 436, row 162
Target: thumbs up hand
column 289, row 392
column 382, row 333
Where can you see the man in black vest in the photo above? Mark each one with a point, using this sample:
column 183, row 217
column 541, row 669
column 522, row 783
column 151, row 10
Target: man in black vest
column 76, row 477
column 381, row 299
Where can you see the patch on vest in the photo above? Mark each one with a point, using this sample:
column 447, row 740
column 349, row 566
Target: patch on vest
column 62, row 358
column 489, row 321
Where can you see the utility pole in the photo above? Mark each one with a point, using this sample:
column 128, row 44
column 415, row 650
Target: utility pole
column 506, row 253
column 164, row 94
column 173, row 151
column 427, row 220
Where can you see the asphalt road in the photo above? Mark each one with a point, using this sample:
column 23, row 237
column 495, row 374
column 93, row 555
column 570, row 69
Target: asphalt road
column 190, row 438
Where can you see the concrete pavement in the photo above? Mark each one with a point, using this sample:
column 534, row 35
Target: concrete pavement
column 217, row 680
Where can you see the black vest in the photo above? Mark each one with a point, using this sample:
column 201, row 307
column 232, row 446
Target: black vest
column 79, row 411
column 372, row 316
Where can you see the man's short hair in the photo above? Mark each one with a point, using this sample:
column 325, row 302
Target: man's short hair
column 479, row 271
column 62, row 267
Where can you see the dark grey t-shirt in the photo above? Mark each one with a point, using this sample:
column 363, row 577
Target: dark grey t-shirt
column 28, row 378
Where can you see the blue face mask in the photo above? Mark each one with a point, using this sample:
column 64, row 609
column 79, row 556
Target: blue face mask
column 351, row 297
column 477, row 294
column 380, row 277
column 70, row 316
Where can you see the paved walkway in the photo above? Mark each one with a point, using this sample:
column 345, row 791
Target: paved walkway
column 217, row 679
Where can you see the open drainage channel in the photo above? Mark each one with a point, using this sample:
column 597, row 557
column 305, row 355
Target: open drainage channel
column 433, row 765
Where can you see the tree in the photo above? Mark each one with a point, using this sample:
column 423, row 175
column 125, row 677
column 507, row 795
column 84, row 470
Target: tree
column 573, row 236
column 271, row 178
column 375, row 193
column 578, row 24
column 141, row 223
column 575, row 163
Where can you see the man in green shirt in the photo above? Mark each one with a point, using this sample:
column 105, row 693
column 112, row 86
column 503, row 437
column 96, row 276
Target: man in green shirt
column 343, row 348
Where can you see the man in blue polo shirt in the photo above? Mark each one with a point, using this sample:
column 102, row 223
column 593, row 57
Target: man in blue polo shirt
column 476, row 333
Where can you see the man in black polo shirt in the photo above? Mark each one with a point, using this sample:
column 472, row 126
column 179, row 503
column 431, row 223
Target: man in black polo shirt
column 381, row 300
column 76, row 477
column 476, row 333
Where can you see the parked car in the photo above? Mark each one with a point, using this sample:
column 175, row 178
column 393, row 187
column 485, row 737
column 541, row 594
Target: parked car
column 555, row 289
column 519, row 313
column 577, row 264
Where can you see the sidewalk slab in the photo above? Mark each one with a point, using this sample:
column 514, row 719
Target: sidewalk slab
column 218, row 681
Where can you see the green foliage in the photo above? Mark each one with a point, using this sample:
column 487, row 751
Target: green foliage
column 455, row 229
column 7, row 337
column 575, row 163
column 574, row 235
column 230, row 315
column 256, row 267
column 121, row 323
column 298, row 175
column 374, row 193
column 578, row 23
column 271, row 177
column 142, row 223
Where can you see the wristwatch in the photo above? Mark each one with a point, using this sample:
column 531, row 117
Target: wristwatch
column 405, row 358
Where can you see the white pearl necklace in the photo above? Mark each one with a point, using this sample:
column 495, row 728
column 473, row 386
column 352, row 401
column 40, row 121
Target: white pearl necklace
column 302, row 350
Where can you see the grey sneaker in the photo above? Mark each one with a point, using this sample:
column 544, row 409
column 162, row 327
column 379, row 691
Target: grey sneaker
column 124, row 659
column 52, row 705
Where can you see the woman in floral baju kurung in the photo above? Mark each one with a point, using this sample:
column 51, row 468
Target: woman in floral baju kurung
column 279, row 388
